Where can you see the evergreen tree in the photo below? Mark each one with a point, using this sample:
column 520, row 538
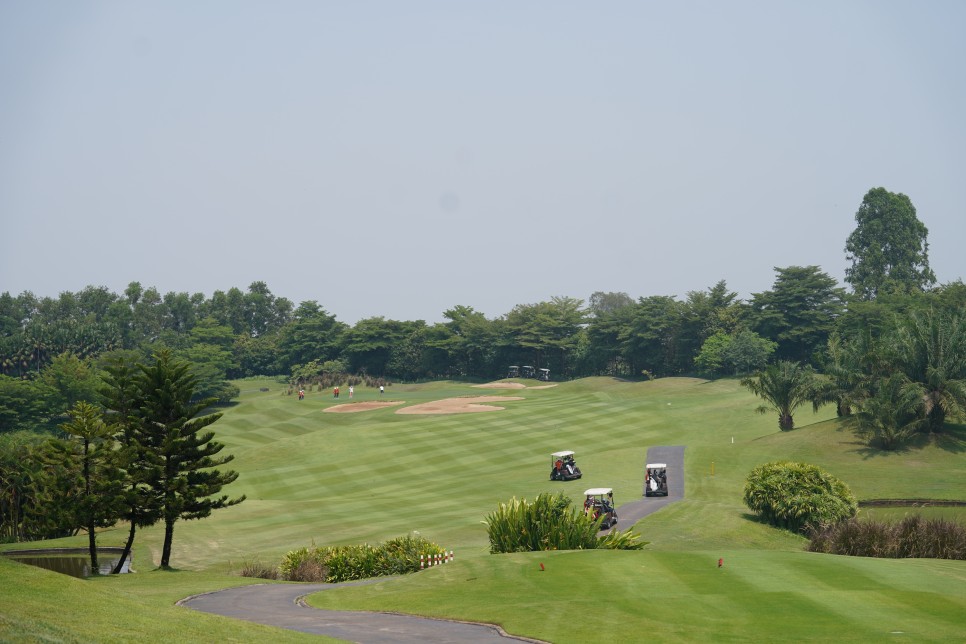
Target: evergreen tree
column 171, row 425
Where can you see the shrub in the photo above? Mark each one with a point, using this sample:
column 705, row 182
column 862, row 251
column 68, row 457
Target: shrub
column 256, row 569
column 548, row 523
column 912, row 537
column 345, row 563
column 798, row 496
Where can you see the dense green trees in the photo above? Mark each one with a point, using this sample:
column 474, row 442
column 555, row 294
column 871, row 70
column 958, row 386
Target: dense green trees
column 888, row 248
column 800, row 311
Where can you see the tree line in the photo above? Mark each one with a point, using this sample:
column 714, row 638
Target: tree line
column 890, row 352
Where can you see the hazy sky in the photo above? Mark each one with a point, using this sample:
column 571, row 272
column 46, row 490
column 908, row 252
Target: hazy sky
column 398, row 158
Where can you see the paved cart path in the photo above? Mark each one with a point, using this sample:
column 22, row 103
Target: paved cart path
column 281, row 605
column 630, row 513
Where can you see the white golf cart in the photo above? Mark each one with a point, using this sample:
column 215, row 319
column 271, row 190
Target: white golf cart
column 599, row 502
column 563, row 467
column 655, row 479
column 543, row 374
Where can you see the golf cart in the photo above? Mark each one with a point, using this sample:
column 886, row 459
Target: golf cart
column 655, row 479
column 543, row 374
column 513, row 371
column 563, row 467
column 526, row 371
column 599, row 502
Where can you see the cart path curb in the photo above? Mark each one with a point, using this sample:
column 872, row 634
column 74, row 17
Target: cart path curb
column 630, row 513
column 283, row 606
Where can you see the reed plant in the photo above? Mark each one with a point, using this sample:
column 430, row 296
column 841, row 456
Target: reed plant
column 911, row 537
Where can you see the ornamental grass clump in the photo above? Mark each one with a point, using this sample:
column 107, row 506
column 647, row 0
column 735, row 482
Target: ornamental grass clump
column 912, row 537
column 549, row 523
column 798, row 496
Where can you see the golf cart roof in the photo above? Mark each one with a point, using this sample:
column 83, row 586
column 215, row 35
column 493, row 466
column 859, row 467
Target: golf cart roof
column 598, row 490
column 513, row 366
column 543, row 369
column 650, row 465
column 566, row 452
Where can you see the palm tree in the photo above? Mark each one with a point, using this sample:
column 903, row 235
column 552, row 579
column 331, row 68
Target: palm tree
column 856, row 366
column 891, row 415
column 929, row 348
column 785, row 386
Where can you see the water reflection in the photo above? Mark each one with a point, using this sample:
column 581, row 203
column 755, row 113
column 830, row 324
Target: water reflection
column 75, row 562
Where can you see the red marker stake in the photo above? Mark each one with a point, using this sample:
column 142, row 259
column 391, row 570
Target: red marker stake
column 541, row 566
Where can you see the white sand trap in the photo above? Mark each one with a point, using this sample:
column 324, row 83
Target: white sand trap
column 349, row 408
column 502, row 385
column 463, row 405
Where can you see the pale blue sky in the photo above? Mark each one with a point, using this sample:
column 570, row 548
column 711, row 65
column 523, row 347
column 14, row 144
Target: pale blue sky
column 399, row 158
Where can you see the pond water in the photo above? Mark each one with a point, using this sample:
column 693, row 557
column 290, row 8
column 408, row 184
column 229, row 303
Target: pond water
column 75, row 562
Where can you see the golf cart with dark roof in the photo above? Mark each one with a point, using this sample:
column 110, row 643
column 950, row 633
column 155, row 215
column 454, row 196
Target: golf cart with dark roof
column 599, row 503
column 563, row 467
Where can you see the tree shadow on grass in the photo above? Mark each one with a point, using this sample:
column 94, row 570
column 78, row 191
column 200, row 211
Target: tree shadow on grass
column 952, row 439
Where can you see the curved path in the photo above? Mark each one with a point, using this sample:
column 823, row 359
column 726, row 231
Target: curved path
column 281, row 605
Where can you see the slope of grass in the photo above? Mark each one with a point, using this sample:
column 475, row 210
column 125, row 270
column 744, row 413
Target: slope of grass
column 324, row 478
column 595, row 596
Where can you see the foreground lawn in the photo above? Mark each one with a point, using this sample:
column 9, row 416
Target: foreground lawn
column 596, row 596
column 313, row 477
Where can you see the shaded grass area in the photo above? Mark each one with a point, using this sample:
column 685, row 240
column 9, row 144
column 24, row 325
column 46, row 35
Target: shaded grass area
column 328, row 479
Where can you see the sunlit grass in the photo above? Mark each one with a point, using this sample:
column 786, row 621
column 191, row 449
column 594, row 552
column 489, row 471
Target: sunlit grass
column 325, row 479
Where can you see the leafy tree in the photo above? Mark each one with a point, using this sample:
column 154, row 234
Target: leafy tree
column 171, row 426
column 72, row 380
column 799, row 312
column 784, row 386
column 100, row 501
column 704, row 314
column 798, row 496
column 710, row 359
column 467, row 339
column 368, row 345
column 649, row 342
column 546, row 333
column 24, row 404
column 605, row 351
column 601, row 303
column 747, row 352
column 312, row 334
column 888, row 248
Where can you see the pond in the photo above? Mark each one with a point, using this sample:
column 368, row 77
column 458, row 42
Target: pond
column 75, row 562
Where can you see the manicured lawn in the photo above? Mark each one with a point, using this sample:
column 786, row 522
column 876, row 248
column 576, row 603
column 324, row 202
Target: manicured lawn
column 332, row 478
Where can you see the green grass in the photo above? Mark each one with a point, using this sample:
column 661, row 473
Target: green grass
column 322, row 478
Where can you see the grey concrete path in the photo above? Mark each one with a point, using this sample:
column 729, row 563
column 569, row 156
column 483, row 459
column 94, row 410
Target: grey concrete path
column 630, row 513
column 281, row 605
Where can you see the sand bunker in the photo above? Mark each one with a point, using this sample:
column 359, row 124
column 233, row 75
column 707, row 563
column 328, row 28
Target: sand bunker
column 502, row 385
column 462, row 405
column 349, row 408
